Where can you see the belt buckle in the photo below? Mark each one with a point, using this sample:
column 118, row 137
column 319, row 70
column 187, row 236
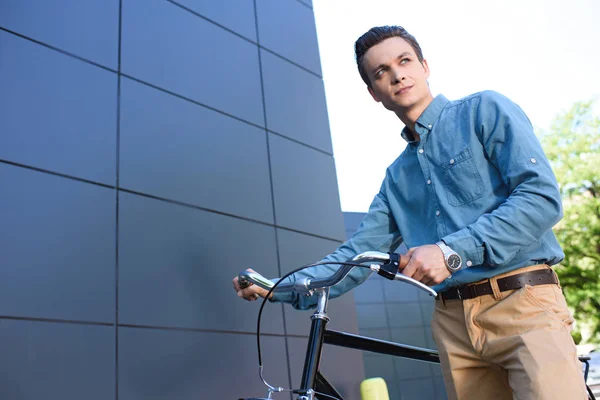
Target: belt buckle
column 458, row 292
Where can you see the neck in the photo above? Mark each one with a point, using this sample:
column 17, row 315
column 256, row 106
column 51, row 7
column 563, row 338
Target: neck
column 409, row 116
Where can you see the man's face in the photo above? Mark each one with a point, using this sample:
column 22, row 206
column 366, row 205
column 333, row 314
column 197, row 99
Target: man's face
column 398, row 79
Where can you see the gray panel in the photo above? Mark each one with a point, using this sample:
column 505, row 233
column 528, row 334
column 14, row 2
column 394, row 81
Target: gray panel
column 87, row 29
column 400, row 292
column 430, row 341
column 42, row 360
column 166, row 364
column 343, row 367
column 403, row 315
column 343, row 315
column 370, row 291
column 176, row 50
column 57, row 113
column 412, row 369
column 408, row 368
column 417, row 389
column 415, row 336
column 176, row 265
column 440, row 389
column 382, row 366
column 288, row 28
column 175, row 149
column 300, row 111
column 58, row 247
column 234, row 14
column 297, row 249
column 371, row 316
column 424, row 296
column 437, row 372
column 305, row 189
column 381, row 333
column 427, row 307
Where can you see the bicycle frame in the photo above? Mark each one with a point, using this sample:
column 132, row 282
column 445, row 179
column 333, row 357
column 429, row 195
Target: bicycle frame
column 313, row 381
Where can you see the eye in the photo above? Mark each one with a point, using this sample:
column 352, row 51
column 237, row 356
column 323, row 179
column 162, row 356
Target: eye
column 404, row 60
column 379, row 73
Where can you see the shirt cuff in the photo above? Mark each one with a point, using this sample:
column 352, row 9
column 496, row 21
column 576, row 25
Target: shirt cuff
column 282, row 297
column 467, row 247
column 297, row 301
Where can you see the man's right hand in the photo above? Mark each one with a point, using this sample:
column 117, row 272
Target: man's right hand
column 252, row 292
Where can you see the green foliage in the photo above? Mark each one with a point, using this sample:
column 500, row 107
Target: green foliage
column 573, row 148
column 576, row 335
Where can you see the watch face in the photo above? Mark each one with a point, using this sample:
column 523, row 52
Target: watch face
column 454, row 261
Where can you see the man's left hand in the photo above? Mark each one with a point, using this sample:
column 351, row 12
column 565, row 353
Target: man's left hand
column 426, row 265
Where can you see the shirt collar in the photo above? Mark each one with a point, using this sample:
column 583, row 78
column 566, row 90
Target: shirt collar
column 428, row 117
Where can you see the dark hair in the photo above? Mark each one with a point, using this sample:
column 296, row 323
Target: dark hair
column 377, row 35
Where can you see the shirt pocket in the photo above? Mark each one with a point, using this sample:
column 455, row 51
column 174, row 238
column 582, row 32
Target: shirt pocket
column 462, row 181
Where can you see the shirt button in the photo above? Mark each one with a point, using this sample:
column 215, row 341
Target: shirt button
column 452, row 161
column 469, row 263
column 533, row 160
column 437, row 213
column 429, row 181
column 421, row 151
column 430, row 126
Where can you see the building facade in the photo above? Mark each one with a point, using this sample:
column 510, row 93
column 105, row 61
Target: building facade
column 149, row 151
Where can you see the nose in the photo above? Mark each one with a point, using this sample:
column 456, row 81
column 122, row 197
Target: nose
column 397, row 75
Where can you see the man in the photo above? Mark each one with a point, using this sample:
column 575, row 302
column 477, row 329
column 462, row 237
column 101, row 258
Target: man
column 474, row 199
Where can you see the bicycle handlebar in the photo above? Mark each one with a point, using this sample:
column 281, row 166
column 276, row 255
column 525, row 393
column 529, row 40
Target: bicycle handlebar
column 307, row 285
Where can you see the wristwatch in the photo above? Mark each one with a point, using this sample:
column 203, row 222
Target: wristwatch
column 451, row 258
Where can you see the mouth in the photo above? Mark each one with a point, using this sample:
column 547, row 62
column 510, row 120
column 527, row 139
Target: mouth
column 402, row 90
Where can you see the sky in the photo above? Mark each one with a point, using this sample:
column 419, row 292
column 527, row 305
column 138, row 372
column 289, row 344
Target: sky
column 543, row 54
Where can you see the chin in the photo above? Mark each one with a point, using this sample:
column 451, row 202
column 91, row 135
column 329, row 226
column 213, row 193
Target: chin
column 400, row 105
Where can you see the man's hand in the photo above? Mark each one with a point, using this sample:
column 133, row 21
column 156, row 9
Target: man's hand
column 250, row 293
column 426, row 265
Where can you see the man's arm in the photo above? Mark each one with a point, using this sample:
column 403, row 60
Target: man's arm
column 534, row 203
column 377, row 232
column 531, row 209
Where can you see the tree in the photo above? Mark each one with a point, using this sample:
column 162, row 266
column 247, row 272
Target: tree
column 573, row 148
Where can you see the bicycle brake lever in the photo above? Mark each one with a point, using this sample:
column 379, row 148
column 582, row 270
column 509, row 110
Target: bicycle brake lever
column 411, row 281
column 245, row 278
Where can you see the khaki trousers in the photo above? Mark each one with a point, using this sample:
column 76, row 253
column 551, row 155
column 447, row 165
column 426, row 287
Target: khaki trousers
column 509, row 345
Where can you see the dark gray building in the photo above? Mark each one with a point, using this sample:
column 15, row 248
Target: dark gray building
column 149, row 151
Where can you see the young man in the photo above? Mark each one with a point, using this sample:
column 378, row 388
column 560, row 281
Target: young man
column 474, row 199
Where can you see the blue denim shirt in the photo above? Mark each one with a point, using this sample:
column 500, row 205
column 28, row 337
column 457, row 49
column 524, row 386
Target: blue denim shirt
column 478, row 180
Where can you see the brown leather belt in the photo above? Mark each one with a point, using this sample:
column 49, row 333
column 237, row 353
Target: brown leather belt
column 531, row 278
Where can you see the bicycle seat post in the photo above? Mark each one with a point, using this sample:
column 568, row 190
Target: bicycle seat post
column 315, row 344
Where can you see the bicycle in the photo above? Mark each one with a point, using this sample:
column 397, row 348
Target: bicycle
column 313, row 384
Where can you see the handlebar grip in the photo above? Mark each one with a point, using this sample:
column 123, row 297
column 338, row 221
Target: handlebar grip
column 243, row 282
column 402, row 262
column 245, row 278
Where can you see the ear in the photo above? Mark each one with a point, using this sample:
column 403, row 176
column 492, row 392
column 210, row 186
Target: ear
column 426, row 68
column 377, row 99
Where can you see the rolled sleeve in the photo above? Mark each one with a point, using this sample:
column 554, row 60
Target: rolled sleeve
column 467, row 246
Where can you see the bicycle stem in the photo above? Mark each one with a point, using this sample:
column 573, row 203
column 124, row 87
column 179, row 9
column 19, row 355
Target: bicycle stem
column 315, row 345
